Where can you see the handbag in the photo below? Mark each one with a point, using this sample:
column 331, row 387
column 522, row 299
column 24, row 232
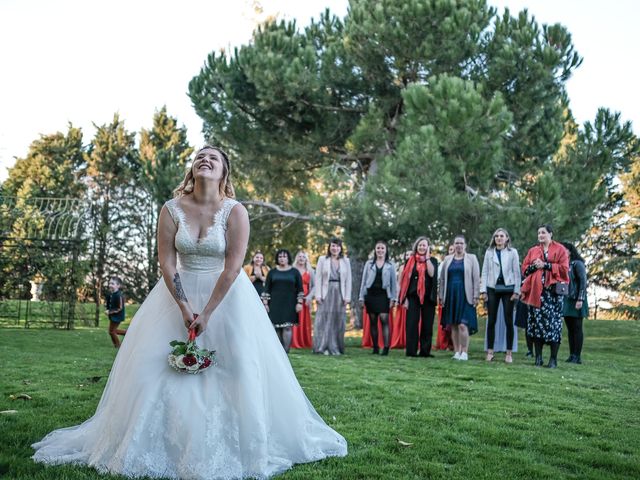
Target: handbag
column 562, row 289
column 502, row 288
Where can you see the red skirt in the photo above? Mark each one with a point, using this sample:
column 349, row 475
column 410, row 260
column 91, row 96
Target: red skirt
column 443, row 339
column 397, row 329
column 302, row 331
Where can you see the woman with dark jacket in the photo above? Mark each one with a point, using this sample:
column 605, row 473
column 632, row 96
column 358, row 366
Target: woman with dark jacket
column 418, row 294
column 378, row 292
column 575, row 305
column 545, row 266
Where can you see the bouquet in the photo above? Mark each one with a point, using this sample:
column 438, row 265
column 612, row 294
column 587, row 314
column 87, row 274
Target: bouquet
column 187, row 357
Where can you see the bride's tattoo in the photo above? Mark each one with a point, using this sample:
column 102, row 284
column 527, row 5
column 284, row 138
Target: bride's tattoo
column 177, row 283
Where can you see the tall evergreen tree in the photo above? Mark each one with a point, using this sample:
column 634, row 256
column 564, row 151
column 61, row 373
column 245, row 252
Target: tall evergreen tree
column 53, row 168
column 164, row 153
column 112, row 169
column 411, row 117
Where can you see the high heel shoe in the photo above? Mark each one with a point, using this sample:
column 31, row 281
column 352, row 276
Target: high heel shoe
column 571, row 359
column 538, row 361
column 508, row 358
column 385, row 351
column 376, row 350
column 552, row 363
column 489, row 357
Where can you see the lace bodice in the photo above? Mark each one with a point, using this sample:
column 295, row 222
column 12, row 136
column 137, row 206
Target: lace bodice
column 205, row 254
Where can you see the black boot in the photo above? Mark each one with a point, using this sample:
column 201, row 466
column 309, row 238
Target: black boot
column 385, row 351
column 571, row 359
column 538, row 347
column 529, row 346
column 553, row 359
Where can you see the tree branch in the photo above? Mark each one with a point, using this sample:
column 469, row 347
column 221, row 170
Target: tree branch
column 285, row 213
column 331, row 109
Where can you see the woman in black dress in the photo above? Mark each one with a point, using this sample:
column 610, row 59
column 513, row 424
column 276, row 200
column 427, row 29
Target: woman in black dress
column 378, row 292
column 282, row 297
column 575, row 304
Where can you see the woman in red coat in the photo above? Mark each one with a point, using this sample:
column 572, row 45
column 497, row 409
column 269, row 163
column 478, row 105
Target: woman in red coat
column 545, row 266
column 302, row 331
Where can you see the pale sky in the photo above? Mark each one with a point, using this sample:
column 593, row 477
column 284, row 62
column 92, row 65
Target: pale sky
column 80, row 61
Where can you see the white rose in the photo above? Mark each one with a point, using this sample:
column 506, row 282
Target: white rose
column 194, row 367
column 179, row 362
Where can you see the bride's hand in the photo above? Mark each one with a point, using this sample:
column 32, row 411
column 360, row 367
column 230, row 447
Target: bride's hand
column 187, row 317
column 199, row 323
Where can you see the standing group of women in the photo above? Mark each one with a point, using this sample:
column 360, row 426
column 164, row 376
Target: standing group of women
column 287, row 292
column 550, row 285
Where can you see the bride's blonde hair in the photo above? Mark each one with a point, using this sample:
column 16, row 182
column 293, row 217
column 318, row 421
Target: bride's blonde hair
column 226, row 187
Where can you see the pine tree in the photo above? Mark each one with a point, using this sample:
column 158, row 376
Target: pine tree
column 416, row 117
column 164, row 153
column 53, row 168
column 112, row 169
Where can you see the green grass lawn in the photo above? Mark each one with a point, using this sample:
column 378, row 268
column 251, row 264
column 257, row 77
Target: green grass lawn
column 463, row 420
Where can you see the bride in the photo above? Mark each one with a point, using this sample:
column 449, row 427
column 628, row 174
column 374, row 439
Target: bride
column 245, row 417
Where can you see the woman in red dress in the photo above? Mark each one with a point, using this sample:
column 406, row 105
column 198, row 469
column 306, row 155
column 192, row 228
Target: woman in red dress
column 302, row 331
column 443, row 338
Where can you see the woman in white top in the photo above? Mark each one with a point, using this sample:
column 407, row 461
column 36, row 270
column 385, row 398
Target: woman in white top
column 500, row 283
column 333, row 294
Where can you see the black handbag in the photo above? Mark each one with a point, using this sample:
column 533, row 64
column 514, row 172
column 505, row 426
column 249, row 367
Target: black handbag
column 562, row 289
column 502, row 288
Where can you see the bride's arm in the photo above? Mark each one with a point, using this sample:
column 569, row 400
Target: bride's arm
column 167, row 257
column 237, row 239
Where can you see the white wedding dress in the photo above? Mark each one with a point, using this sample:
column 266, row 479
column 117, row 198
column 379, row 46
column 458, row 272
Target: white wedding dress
column 245, row 417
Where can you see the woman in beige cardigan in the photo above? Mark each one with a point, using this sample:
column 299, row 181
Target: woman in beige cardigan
column 333, row 294
column 459, row 291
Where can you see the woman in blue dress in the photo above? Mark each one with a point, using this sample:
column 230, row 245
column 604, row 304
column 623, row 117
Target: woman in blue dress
column 459, row 291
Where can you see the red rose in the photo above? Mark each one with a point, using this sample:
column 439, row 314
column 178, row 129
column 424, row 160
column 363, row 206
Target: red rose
column 189, row 360
column 205, row 363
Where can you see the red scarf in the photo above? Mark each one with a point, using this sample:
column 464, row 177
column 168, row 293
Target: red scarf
column 420, row 263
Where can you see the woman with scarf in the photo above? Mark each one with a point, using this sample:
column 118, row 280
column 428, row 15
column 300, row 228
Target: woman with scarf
column 546, row 272
column 418, row 295
column 459, row 293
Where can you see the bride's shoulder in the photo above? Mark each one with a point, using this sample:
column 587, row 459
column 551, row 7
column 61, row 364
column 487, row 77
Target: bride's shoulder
column 173, row 208
column 234, row 211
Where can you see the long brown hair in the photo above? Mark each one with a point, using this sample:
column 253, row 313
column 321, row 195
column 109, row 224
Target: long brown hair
column 507, row 244
column 226, row 187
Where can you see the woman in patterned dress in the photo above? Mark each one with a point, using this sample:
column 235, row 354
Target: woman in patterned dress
column 333, row 294
column 545, row 265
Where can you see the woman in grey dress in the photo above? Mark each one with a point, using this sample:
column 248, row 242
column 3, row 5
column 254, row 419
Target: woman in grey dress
column 333, row 293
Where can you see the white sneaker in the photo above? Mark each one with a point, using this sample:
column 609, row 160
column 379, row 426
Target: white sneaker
column 456, row 356
column 464, row 356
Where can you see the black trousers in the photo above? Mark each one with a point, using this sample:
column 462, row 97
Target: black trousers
column 417, row 313
column 493, row 303
column 576, row 337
